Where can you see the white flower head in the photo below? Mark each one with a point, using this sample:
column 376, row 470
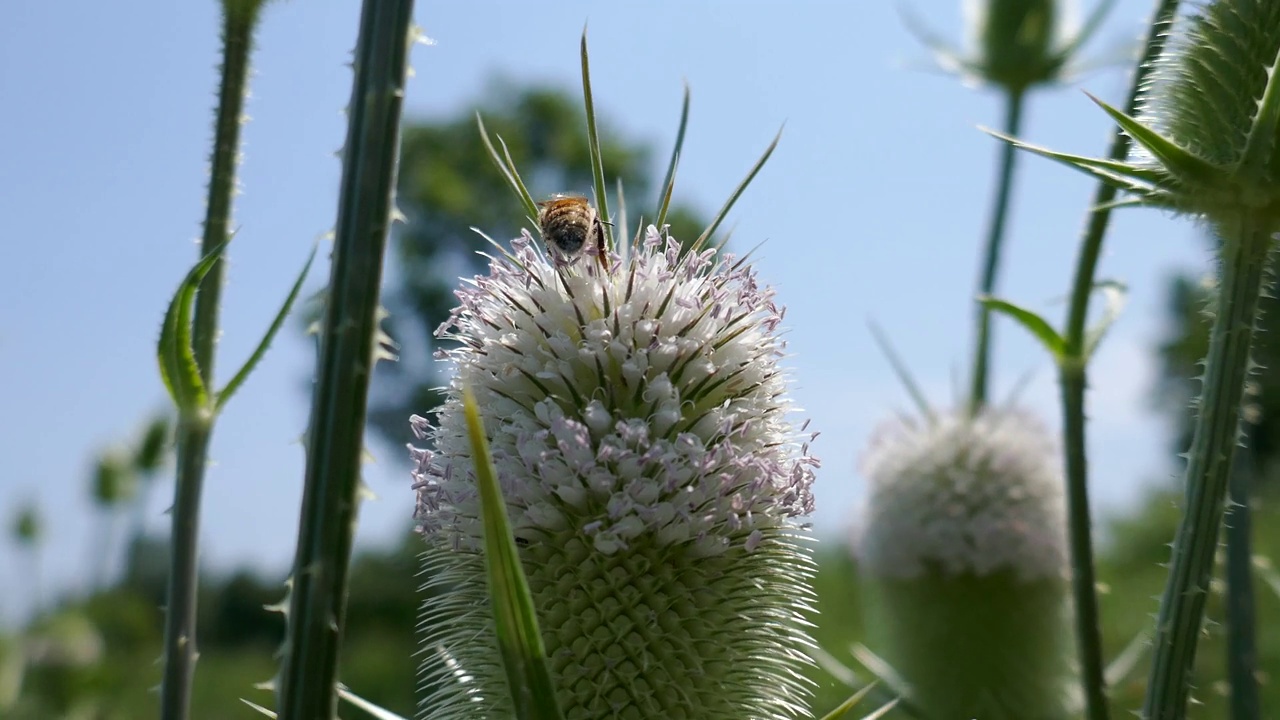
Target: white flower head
column 963, row 495
column 638, row 423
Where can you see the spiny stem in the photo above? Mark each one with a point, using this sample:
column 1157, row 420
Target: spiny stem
column 991, row 252
column 335, row 438
column 1245, row 246
column 194, row 429
column 1073, row 380
column 1242, row 642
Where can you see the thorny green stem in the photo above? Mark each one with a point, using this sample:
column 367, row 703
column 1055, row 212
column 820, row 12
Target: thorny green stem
column 195, row 428
column 1242, row 642
column 1245, row 246
column 1073, row 380
column 335, row 438
column 991, row 252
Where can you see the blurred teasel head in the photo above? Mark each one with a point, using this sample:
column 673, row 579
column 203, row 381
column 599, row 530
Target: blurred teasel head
column 639, row 423
column 1015, row 44
column 961, row 546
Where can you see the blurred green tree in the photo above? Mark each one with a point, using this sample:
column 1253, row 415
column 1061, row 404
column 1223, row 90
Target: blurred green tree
column 448, row 185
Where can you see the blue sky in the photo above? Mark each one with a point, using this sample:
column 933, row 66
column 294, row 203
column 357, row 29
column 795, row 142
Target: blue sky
column 872, row 207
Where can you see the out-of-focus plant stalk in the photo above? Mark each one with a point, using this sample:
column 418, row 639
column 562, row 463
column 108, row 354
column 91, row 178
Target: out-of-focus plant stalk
column 307, row 684
column 194, row 428
column 991, row 251
column 1242, row 641
column 1073, row 380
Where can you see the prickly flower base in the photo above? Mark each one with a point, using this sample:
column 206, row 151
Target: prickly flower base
column 961, row 547
column 637, row 420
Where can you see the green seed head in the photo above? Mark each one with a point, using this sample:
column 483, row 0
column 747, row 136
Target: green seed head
column 638, row 422
column 114, row 480
column 1015, row 41
column 1208, row 126
column 1209, row 81
column 962, row 546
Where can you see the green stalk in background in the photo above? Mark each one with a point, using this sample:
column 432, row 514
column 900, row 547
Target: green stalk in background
column 1208, row 130
column 195, row 424
column 1015, row 46
column 991, row 250
column 1072, row 351
column 1073, row 380
column 307, row 687
column 1242, row 643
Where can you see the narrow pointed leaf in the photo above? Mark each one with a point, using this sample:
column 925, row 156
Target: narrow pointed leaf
column 1033, row 323
column 883, row 710
column 243, row 374
column 881, row 669
column 946, row 56
column 737, row 192
column 900, row 369
column 376, row 711
column 513, row 180
column 1268, row 575
column 1124, row 663
column 623, row 220
column 1260, row 144
column 178, row 367
column 1123, row 175
column 849, row 703
column 665, row 206
column 259, row 708
column 1091, row 25
column 593, row 140
column 834, row 667
column 525, row 196
column 1179, row 161
column 668, row 182
column 523, row 655
column 1116, row 294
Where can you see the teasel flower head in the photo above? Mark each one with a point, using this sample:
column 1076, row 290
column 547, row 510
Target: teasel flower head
column 1015, row 44
column 657, row 488
column 961, row 545
column 1207, row 128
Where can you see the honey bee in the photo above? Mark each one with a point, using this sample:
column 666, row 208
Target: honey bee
column 569, row 222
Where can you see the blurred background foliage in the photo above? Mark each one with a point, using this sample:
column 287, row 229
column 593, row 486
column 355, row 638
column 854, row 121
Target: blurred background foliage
column 91, row 653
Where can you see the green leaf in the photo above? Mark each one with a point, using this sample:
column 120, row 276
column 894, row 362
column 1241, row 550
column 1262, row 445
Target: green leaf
column 1124, row 663
column 737, row 192
column 1179, row 161
column 374, row 710
column 508, row 172
column 947, row 57
column 523, row 654
column 1116, row 294
column 1125, row 176
column 225, row 394
column 261, row 710
column 849, row 702
column 1090, row 26
column 1036, row 325
column 178, row 367
column 900, row 369
column 882, row 710
column 593, row 141
column 881, row 669
column 623, row 220
column 668, row 182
